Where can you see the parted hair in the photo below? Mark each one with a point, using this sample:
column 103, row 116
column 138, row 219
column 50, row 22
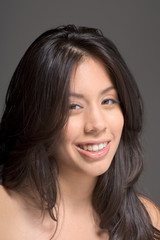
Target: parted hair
column 36, row 110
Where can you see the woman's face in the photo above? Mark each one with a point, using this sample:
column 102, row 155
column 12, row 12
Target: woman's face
column 93, row 131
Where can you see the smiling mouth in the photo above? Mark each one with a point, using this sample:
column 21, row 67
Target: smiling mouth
column 93, row 147
column 94, row 151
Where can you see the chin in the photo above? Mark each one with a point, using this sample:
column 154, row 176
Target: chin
column 98, row 170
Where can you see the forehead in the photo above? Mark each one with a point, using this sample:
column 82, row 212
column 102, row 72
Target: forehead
column 88, row 75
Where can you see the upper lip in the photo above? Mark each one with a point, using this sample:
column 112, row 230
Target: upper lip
column 96, row 142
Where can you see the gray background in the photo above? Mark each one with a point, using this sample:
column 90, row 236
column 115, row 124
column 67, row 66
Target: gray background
column 134, row 26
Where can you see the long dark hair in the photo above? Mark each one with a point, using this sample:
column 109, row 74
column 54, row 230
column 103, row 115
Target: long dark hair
column 36, row 111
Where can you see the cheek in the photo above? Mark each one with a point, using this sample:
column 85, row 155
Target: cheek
column 72, row 130
column 116, row 121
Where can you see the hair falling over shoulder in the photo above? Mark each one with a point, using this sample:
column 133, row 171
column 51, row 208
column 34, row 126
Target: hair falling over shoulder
column 36, row 110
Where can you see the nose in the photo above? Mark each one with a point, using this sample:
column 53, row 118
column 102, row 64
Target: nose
column 95, row 121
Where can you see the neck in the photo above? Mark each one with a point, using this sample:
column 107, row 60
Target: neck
column 76, row 190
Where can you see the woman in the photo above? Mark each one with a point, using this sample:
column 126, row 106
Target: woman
column 70, row 149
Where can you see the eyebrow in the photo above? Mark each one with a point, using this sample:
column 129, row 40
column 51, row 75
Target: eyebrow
column 78, row 95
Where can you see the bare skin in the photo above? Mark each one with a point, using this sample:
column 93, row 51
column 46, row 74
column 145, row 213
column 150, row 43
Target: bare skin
column 78, row 219
column 18, row 221
column 22, row 221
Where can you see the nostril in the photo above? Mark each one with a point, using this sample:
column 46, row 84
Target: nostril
column 94, row 128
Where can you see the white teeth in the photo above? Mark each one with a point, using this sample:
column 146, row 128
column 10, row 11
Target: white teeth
column 85, row 147
column 94, row 148
column 90, row 148
column 101, row 146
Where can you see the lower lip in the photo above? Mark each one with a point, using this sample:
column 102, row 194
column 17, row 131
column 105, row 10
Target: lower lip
column 94, row 155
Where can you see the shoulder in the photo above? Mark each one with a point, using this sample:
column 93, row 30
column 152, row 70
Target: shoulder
column 5, row 203
column 4, row 197
column 8, row 204
column 4, row 212
column 153, row 211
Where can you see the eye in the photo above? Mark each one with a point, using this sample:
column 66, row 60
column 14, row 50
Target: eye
column 109, row 101
column 74, row 106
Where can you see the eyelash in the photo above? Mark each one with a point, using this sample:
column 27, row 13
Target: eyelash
column 112, row 101
column 73, row 106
